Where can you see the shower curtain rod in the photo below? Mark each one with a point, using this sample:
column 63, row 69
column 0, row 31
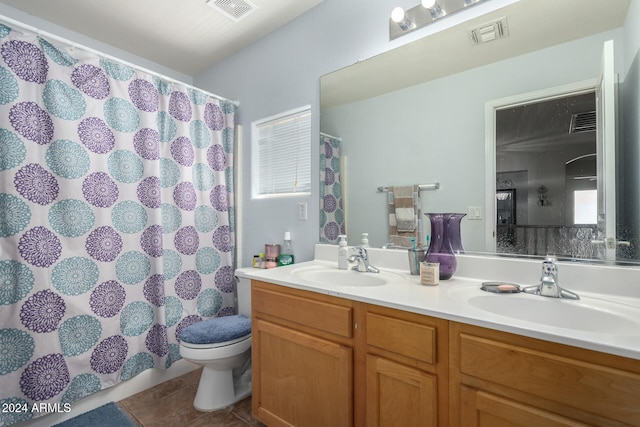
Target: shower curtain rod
column 331, row 136
column 14, row 23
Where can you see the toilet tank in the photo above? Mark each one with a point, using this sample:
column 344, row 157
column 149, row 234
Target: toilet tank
column 244, row 296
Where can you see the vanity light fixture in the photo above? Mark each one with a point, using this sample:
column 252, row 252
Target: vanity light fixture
column 405, row 21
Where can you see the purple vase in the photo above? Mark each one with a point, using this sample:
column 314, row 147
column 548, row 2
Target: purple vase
column 443, row 228
column 454, row 233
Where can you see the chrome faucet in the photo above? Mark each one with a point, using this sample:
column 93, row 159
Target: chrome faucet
column 549, row 286
column 362, row 258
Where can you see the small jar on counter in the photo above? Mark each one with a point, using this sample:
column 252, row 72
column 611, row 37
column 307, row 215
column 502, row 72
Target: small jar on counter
column 429, row 273
column 261, row 261
column 272, row 253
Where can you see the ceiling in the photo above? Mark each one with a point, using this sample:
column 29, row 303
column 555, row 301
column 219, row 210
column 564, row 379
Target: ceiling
column 545, row 126
column 185, row 35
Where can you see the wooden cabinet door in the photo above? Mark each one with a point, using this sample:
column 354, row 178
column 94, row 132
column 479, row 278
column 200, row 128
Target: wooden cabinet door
column 300, row 380
column 399, row 395
column 482, row 409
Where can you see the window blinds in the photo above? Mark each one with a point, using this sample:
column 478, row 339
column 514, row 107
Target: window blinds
column 284, row 154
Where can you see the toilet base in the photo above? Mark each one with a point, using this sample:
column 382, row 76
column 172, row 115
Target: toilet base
column 220, row 388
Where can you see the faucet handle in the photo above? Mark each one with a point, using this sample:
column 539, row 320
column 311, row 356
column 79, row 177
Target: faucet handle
column 357, row 254
column 362, row 251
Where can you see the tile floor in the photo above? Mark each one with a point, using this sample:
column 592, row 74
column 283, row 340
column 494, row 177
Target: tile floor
column 170, row 404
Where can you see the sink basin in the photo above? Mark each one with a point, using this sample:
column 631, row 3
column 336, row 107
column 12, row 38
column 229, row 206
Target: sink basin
column 589, row 314
column 324, row 275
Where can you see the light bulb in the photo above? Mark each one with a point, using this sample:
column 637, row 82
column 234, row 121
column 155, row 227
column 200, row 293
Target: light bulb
column 397, row 15
column 434, row 8
column 428, row 4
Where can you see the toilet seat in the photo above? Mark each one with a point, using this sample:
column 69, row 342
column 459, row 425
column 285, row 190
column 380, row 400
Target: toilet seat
column 215, row 344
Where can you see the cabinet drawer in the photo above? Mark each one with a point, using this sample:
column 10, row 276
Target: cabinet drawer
column 595, row 388
column 321, row 315
column 402, row 337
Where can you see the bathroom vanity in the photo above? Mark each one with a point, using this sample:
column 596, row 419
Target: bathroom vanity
column 323, row 359
column 400, row 353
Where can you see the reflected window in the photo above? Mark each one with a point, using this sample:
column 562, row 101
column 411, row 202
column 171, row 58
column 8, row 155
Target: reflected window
column 585, row 207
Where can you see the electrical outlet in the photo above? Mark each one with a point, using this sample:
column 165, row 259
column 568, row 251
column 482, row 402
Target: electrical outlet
column 302, row 211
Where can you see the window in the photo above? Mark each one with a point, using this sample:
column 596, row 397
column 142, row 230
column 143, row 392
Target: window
column 281, row 153
column 585, row 207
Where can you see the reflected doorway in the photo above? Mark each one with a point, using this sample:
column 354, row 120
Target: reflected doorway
column 550, row 144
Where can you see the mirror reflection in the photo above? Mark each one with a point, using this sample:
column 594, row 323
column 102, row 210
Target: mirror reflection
column 418, row 115
column 546, row 185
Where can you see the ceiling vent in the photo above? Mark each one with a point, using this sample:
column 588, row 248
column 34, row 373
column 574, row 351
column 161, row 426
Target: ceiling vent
column 233, row 9
column 583, row 122
column 489, row 31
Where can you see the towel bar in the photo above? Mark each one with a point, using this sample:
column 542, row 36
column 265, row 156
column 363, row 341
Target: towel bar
column 422, row 187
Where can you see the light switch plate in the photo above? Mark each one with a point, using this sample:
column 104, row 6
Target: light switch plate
column 474, row 213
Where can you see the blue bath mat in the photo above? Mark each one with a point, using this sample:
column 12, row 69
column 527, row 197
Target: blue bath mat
column 109, row 415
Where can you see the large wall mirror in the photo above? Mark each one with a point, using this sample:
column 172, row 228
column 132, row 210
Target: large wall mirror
column 437, row 111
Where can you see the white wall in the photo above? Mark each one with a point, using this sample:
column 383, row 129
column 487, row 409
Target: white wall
column 632, row 34
column 281, row 72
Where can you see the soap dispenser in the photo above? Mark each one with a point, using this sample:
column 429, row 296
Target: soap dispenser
column 365, row 240
column 343, row 253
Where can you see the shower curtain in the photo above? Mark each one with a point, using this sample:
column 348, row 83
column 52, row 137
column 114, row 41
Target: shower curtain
column 332, row 221
column 116, row 221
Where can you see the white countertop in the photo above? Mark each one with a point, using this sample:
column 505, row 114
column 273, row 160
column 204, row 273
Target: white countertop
column 449, row 299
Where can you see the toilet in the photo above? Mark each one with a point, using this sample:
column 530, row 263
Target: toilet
column 223, row 347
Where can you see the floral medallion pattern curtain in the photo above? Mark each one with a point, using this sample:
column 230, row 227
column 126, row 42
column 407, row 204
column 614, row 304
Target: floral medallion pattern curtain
column 332, row 220
column 116, row 220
